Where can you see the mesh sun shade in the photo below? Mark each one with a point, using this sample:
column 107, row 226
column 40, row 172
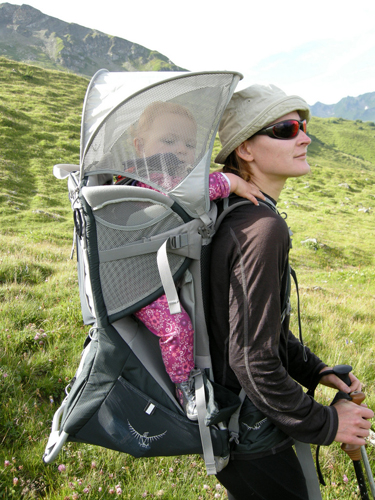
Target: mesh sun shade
column 159, row 135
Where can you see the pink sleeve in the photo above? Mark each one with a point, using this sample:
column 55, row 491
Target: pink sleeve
column 218, row 186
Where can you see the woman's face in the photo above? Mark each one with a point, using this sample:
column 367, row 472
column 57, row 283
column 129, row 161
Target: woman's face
column 169, row 133
column 275, row 159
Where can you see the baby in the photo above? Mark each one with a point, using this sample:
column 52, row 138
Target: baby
column 170, row 129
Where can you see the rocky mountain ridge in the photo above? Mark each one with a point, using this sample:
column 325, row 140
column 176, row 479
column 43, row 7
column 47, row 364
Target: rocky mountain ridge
column 28, row 35
column 350, row 108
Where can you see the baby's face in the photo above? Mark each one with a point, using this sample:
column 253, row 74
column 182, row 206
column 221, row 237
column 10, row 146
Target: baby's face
column 170, row 133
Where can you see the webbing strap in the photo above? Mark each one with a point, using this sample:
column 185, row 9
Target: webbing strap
column 176, row 241
column 204, row 430
column 131, row 250
column 308, row 467
column 167, row 279
column 234, row 424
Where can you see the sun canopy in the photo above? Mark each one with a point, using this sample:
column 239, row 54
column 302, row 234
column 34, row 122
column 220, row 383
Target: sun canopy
column 108, row 89
column 157, row 128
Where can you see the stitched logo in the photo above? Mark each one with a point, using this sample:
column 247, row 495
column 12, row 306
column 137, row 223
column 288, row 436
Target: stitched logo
column 144, row 439
column 257, row 426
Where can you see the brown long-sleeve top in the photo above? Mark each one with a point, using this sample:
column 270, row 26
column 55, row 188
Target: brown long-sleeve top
column 250, row 346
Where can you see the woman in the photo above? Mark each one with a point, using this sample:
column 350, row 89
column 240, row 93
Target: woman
column 263, row 134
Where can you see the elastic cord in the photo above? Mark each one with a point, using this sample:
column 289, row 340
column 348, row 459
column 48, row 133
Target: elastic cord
column 294, row 276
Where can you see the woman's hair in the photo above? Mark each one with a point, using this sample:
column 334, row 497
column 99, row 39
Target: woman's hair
column 234, row 164
column 156, row 109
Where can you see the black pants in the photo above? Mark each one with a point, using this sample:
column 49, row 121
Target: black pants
column 275, row 477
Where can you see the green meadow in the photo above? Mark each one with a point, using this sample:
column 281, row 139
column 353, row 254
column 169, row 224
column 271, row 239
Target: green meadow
column 331, row 213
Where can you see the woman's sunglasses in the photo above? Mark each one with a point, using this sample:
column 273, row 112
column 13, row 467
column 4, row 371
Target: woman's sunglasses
column 287, row 129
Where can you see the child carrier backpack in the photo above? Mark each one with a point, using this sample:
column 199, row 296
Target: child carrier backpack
column 134, row 244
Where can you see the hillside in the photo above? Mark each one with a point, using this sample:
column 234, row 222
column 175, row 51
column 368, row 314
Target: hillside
column 361, row 107
column 28, row 35
column 331, row 213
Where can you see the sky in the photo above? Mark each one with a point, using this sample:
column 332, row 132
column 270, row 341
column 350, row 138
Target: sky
column 322, row 50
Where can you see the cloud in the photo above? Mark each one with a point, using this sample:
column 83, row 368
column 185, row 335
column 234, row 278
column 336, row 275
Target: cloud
column 323, row 52
column 324, row 70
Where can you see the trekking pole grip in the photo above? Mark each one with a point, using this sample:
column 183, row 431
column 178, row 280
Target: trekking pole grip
column 354, row 450
column 342, row 371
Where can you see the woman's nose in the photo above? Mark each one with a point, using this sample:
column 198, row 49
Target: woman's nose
column 304, row 138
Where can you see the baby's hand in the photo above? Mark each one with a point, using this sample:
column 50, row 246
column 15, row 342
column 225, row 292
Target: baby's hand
column 244, row 189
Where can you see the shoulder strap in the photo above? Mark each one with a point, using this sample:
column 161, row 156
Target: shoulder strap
column 226, row 205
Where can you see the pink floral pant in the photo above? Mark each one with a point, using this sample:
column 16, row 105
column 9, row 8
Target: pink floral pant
column 176, row 337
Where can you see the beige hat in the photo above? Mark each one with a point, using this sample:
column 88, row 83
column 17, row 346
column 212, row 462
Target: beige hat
column 252, row 109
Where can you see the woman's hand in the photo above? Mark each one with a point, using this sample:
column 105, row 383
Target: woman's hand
column 335, row 382
column 244, row 189
column 354, row 422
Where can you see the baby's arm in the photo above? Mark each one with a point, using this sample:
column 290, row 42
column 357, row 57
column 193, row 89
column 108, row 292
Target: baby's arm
column 244, row 189
column 219, row 188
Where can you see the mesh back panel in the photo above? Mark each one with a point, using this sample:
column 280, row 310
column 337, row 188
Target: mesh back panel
column 128, row 280
column 159, row 135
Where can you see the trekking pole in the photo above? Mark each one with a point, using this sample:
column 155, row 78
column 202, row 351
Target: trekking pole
column 354, row 451
column 368, row 470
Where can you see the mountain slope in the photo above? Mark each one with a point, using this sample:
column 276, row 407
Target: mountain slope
column 350, row 108
column 28, row 35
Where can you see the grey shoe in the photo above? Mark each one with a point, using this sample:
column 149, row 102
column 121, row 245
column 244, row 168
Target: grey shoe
column 186, row 397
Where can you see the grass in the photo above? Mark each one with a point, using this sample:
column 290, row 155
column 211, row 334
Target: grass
column 331, row 213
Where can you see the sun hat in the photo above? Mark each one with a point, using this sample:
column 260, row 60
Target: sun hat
column 252, row 109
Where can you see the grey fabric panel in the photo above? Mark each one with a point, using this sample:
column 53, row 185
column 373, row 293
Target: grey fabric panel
column 99, row 195
column 106, row 356
column 145, row 346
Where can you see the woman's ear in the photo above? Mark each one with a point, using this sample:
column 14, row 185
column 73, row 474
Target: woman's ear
column 138, row 144
column 244, row 151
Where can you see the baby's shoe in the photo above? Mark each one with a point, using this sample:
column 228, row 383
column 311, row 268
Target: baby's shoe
column 186, row 397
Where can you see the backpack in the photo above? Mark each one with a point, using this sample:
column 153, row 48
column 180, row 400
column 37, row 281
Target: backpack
column 133, row 244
